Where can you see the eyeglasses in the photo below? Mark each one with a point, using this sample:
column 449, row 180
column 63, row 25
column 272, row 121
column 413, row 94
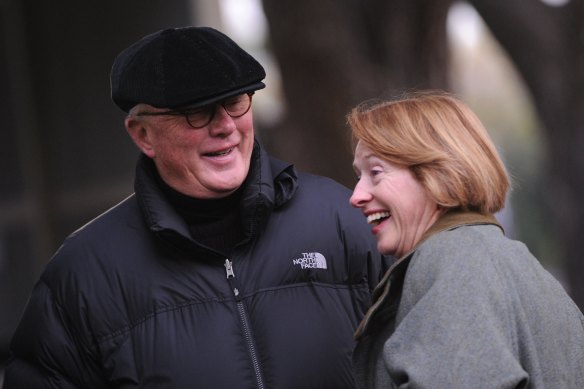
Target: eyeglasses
column 199, row 117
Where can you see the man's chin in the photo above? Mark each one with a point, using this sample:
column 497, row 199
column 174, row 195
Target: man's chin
column 226, row 192
column 222, row 184
column 227, row 188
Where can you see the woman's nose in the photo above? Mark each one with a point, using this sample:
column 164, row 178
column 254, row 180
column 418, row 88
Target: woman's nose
column 360, row 196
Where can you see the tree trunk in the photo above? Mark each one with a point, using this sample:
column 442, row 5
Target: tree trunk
column 334, row 54
column 547, row 46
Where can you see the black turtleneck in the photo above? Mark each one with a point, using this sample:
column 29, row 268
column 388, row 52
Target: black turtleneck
column 215, row 223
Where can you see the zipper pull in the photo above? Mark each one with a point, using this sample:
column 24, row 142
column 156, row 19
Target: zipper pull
column 229, row 269
column 231, row 277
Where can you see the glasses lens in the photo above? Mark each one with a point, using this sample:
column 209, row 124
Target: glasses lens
column 199, row 117
column 234, row 106
column 238, row 105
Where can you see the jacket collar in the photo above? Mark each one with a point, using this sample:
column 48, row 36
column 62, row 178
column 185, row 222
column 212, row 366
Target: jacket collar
column 448, row 221
column 457, row 218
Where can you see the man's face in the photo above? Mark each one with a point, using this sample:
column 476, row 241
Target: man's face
column 208, row 162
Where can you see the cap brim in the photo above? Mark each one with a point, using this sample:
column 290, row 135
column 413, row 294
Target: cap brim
column 222, row 96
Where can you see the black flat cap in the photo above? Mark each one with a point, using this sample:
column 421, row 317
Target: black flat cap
column 181, row 67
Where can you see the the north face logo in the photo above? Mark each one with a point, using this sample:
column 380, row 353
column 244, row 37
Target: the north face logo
column 310, row 261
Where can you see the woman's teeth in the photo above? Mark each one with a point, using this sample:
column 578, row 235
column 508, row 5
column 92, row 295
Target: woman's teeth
column 377, row 217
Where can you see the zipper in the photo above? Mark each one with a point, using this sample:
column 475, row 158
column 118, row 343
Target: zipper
column 245, row 323
column 230, row 275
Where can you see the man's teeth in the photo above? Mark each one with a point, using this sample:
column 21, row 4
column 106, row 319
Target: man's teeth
column 224, row 152
column 376, row 217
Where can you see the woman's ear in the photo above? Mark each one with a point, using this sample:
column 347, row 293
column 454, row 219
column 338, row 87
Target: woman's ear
column 140, row 135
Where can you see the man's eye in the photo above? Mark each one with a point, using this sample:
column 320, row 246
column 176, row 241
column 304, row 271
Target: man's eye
column 375, row 172
column 197, row 113
column 235, row 105
column 235, row 100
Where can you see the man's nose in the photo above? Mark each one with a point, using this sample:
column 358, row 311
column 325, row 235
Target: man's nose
column 222, row 124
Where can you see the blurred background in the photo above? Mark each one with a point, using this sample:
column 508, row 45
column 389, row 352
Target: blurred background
column 65, row 156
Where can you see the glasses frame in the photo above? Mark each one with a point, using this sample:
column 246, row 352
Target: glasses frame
column 213, row 107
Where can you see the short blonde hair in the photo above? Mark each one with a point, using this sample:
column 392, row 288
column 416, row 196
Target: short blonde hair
column 443, row 143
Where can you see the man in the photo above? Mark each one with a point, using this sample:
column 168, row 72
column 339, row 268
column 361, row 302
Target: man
column 225, row 269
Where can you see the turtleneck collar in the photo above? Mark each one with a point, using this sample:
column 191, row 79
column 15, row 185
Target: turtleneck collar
column 195, row 210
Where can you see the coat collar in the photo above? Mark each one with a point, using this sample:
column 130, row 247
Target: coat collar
column 448, row 221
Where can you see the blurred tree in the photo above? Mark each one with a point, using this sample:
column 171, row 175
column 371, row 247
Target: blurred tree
column 333, row 54
column 336, row 53
column 546, row 44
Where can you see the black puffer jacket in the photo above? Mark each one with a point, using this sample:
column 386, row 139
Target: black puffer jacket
column 131, row 300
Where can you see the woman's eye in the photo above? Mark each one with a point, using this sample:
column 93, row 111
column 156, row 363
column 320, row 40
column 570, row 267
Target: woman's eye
column 375, row 172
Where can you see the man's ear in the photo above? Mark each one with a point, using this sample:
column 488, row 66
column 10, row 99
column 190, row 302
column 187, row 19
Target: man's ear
column 140, row 135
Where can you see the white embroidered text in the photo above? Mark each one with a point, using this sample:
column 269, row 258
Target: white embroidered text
column 310, row 261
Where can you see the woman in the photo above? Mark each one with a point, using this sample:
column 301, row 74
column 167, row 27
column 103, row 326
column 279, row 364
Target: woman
column 463, row 306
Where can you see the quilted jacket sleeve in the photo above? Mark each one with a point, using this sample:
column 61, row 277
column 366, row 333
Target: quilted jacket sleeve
column 45, row 351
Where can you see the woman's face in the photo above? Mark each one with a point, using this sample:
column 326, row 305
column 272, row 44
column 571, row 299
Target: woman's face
column 396, row 205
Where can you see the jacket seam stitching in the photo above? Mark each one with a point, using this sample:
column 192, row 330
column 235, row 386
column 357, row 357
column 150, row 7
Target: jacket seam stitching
column 128, row 327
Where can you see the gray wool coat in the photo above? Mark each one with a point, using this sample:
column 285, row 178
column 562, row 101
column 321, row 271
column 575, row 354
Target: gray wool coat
column 470, row 308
